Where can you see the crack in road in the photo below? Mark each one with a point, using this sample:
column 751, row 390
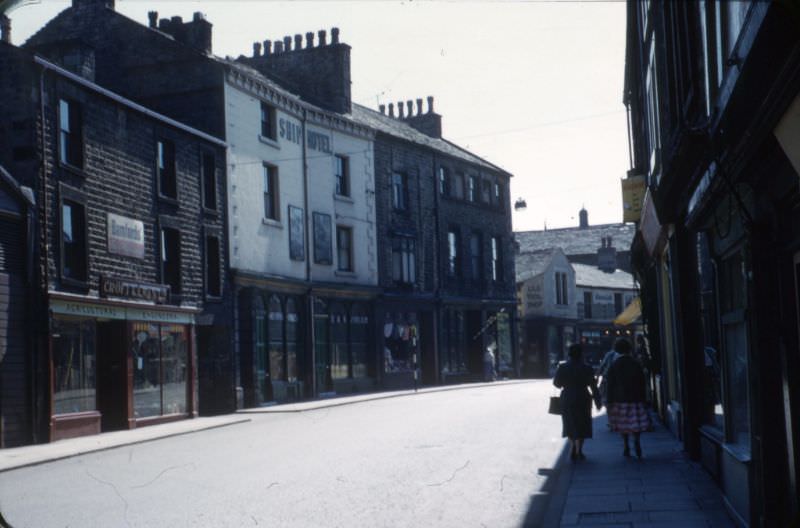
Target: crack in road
column 452, row 476
column 113, row 487
column 161, row 473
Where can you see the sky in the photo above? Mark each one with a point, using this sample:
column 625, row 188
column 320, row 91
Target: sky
column 533, row 86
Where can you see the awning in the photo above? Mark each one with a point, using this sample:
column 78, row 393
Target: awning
column 630, row 314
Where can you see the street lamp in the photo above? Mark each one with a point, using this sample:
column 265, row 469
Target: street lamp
column 520, row 204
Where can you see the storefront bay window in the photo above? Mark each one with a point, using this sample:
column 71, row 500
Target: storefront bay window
column 74, row 366
column 400, row 341
column 160, row 367
column 359, row 335
column 713, row 410
column 275, row 335
column 293, row 343
column 340, row 360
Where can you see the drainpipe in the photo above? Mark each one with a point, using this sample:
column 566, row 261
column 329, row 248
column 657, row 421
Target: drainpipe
column 436, row 271
column 36, row 359
column 310, row 333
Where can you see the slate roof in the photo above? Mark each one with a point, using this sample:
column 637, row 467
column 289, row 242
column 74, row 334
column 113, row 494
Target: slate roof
column 576, row 240
column 531, row 264
column 591, row 276
column 397, row 128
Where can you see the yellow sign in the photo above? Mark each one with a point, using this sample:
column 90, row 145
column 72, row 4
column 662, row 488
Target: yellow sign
column 633, row 188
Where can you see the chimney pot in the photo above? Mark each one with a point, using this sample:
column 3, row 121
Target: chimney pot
column 400, row 110
column 410, row 107
column 334, row 35
column 382, row 108
column 310, row 39
column 323, row 39
column 419, row 107
column 278, row 46
column 153, row 16
column 298, row 42
column 256, row 49
column 267, row 47
column 430, row 104
column 287, row 43
column 198, row 16
column 176, row 20
column 391, row 109
column 5, row 29
column 163, row 24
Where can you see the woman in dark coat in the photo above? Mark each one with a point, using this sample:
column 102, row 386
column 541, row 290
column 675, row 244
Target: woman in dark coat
column 576, row 379
column 627, row 412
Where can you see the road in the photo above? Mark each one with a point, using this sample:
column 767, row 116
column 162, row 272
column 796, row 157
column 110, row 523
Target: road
column 458, row 458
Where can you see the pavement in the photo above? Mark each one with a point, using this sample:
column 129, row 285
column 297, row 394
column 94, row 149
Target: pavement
column 662, row 489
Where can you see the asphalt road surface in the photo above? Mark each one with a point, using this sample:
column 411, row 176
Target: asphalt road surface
column 460, row 458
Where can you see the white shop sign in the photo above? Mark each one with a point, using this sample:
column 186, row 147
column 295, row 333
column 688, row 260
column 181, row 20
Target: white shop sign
column 125, row 236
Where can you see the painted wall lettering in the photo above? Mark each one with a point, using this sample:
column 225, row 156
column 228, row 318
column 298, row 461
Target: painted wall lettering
column 290, row 131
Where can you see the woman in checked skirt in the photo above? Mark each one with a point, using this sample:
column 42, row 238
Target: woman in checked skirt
column 627, row 412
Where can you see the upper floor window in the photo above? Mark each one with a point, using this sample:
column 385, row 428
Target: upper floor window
column 74, row 253
column 268, row 128
column 457, row 186
column 476, row 256
column 587, row 305
column 344, row 248
column 404, row 255
column 341, row 164
column 497, row 260
column 212, row 261
column 561, row 288
column 70, row 133
column 271, row 203
column 399, row 191
column 486, row 191
column 171, row 258
column 498, row 195
column 209, row 177
column 165, row 167
column 472, row 189
column 444, row 184
column 453, row 253
column 653, row 121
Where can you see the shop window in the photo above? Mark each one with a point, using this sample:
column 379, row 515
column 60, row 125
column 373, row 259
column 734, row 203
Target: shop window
column 322, row 366
column 444, row 183
column 497, row 259
column 165, row 169
column 404, row 255
column 399, row 191
column 344, row 248
column 340, row 360
column 74, row 366
column 476, row 256
column 472, row 189
column 359, row 339
column 342, row 173
column 453, row 253
column 561, row 288
column 213, row 276
column 271, row 201
column 400, row 333
column 268, row 128
column 74, row 253
column 171, row 258
column 454, row 361
column 275, row 336
column 209, row 180
column 293, row 337
column 70, row 133
column 261, row 386
column 160, row 369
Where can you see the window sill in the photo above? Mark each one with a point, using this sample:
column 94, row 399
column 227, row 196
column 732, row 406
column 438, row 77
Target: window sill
column 168, row 200
column 269, row 141
column 738, row 452
column 345, row 273
column 210, row 212
column 272, row 223
column 213, row 298
column 343, row 198
column 72, row 169
column 75, row 283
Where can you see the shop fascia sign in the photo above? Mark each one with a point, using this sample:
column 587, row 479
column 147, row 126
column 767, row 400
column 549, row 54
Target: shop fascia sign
column 139, row 291
column 102, row 311
column 652, row 231
column 125, row 236
column 788, row 134
column 633, row 190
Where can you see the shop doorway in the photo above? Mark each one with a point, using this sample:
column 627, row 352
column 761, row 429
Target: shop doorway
column 475, row 352
column 427, row 347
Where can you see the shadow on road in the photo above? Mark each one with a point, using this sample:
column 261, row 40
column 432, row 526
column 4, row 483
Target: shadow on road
column 547, row 502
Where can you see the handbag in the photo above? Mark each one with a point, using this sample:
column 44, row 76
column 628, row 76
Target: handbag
column 555, row 405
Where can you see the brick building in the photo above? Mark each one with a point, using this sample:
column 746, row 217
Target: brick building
column 130, row 247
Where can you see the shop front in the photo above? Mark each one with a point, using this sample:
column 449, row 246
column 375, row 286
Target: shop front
column 408, row 353
column 117, row 365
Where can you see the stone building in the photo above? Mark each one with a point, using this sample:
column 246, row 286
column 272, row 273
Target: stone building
column 130, row 247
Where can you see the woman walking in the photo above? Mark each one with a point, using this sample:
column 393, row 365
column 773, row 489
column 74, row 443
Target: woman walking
column 627, row 413
column 579, row 388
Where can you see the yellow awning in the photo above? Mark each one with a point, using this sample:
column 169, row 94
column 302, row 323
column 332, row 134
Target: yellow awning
column 630, row 314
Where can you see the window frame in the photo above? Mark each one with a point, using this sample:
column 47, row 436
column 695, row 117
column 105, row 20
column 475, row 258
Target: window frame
column 348, row 247
column 476, row 256
column 405, row 249
column 212, row 236
column 169, row 170
column 444, row 182
column 399, row 191
column 561, row 284
column 453, row 263
column 472, row 189
column 207, row 188
column 77, row 198
column 173, row 226
column 268, row 127
column 271, row 189
column 75, row 139
column 341, row 175
column 497, row 259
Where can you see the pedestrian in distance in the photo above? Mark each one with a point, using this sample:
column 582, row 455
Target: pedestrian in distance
column 578, row 388
column 602, row 372
column 488, row 365
column 627, row 412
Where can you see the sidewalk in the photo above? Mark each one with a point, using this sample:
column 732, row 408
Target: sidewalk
column 19, row 457
column 664, row 489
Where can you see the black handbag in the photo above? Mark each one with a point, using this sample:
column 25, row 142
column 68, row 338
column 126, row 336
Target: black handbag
column 555, row 405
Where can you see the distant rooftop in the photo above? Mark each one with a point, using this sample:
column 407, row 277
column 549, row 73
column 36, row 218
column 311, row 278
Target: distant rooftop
column 590, row 276
column 577, row 240
column 531, row 264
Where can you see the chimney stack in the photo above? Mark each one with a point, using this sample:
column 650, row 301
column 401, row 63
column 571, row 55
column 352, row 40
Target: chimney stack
column 256, row 49
column 267, row 47
column 287, row 43
column 429, row 123
column 298, row 42
column 400, row 110
column 430, row 104
column 5, row 29
column 310, row 39
column 323, row 39
column 278, row 46
column 419, row 107
column 391, row 109
column 153, row 18
column 583, row 216
column 410, row 108
column 334, row 35
column 382, row 108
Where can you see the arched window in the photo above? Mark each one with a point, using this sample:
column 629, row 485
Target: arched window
column 275, row 336
column 359, row 324
column 292, row 339
column 260, row 379
column 340, row 360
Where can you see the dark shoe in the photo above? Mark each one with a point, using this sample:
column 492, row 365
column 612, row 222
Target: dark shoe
column 573, row 456
column 581, row 456
column 638, row 449
column 627, row 452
